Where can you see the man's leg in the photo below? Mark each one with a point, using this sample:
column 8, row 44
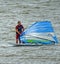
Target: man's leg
column 16, row 41
column 19, row 39
column 16, row 38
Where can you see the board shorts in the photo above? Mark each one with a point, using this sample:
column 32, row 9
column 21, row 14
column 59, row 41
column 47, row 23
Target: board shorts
column 17, row 36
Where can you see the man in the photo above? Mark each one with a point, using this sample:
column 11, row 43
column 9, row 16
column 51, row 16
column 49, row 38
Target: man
column 19, row 29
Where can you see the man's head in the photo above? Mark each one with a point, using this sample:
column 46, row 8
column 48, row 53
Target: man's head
column 19, row 22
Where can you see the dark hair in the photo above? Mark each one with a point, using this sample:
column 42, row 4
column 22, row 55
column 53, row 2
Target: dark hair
column 19, row 21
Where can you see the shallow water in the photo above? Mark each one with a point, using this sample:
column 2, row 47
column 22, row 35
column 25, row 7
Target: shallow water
column 28, row 11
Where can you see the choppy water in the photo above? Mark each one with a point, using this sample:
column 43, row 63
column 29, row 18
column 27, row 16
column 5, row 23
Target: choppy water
column 28, row 11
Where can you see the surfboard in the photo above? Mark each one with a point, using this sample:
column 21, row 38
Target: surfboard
column 19, row 45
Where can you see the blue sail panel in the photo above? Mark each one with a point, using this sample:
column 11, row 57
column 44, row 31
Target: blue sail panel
column 40, row 32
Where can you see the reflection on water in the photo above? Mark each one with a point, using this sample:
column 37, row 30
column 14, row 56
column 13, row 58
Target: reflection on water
column 27, row 11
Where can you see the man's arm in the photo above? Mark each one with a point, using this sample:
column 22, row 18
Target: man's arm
column 17, row 31
column 23, row 29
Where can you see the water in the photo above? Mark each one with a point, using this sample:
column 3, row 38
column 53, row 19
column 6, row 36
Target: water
column 28, row 11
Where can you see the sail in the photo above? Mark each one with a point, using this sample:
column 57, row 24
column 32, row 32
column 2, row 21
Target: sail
column 40, row 32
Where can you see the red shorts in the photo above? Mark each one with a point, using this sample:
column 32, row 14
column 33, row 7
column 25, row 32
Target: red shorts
column 17, row 36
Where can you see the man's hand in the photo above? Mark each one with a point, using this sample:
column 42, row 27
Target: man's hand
column 22, row 29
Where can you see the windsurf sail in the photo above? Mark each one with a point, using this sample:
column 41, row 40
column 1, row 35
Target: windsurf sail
column 40, row 32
